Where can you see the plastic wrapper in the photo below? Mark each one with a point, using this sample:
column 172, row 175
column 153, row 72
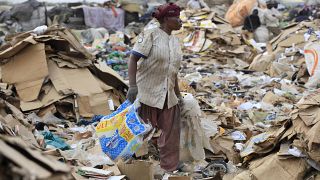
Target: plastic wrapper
column 121, row 133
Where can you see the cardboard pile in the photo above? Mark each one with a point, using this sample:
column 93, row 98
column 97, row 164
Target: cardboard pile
column 209, row 39
column 263, row 122
column 54, row 73
column 285, row 56
column 21, row 156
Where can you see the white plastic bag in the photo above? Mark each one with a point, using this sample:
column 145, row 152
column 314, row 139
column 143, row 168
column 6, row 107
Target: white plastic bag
column 311, row 54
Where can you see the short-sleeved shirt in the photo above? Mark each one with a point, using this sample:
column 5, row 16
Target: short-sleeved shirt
column 157, row 68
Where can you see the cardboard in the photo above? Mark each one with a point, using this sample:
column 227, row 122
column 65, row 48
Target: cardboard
column 11, row 51
column 31, row 161
column 75, row 58
column 50, row 96
column 18, row 158
column 20, row 71
column 313, row 137
column 224, row 145
column 25, row 133
column 94, row 104
column 69, row 81
column 32, row 105
column 17, row 114
column 137, row 170
column 310, row 116
column 271, row 167
column 272, row 98
column 143, row 150
column 91, row 98
column 296, row 39
column 74, row 42
column 108, row 76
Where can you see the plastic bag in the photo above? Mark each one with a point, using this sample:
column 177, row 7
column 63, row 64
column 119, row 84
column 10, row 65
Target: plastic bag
column 192, row 137
column 121, row 133
column 261, row 34
column 311, row 54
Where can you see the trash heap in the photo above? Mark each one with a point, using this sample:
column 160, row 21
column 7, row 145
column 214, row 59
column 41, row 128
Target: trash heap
column 21, row 156
column 109, row 49
column 248, row 113
column 262, row 118
column 288, row 55
column 208, row 39
column 49, row 85
column 67, row 82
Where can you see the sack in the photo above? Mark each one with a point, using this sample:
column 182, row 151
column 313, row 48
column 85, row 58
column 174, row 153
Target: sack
column 311, row 54
column 193, row 139
column 239, row 10
column 261, row 34
column 121, row 133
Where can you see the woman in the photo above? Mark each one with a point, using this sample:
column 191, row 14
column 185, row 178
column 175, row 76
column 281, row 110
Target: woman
column 153, row 69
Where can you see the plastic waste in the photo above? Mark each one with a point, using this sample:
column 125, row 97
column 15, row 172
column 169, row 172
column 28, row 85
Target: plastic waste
column 121, row 133
column 40, row 30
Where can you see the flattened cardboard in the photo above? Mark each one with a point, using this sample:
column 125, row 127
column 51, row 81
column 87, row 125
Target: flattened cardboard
column 66, row 34
column 68, row 81
column 103, row 86
column 51, row 164
column 222, row 145
column 51, row 96
column 24, row 132
column 11, row 51
column 15, row 156
column 295, row 39
column 94, row 104
column 75, row 58
column 138, row 170
column 313, row 137
column 20, row 71
column 310, row 116
column 29, row 91
column 18, row 114
column 32, row 105
column 108, row 76
column 271, row 167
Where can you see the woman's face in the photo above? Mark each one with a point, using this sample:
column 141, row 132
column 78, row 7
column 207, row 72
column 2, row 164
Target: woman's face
column 174, row 23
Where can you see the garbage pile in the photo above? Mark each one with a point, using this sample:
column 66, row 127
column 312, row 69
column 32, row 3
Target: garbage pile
column 263, row 112
column 67, row 82
column 109, row 49
column 292, row 54
column 50, row 83
column 251, row 109
column 208, row 39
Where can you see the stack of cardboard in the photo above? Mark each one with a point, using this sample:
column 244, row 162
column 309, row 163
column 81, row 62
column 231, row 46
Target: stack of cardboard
column 21, row 156
column 209, row 39
column 54, row 73
column 293, row 148
column 286, row 54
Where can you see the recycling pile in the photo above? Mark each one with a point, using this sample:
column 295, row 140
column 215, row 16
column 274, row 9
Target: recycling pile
column 50, row 83
column 209, row 39
column 251, row 109
column 260, row 97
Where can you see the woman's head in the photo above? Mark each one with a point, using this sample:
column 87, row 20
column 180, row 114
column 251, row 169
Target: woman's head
column 168, row 14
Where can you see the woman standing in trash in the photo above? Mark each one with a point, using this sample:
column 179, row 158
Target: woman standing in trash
column 153, row 70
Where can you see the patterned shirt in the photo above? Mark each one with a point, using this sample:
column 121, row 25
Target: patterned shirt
column 157, row 68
